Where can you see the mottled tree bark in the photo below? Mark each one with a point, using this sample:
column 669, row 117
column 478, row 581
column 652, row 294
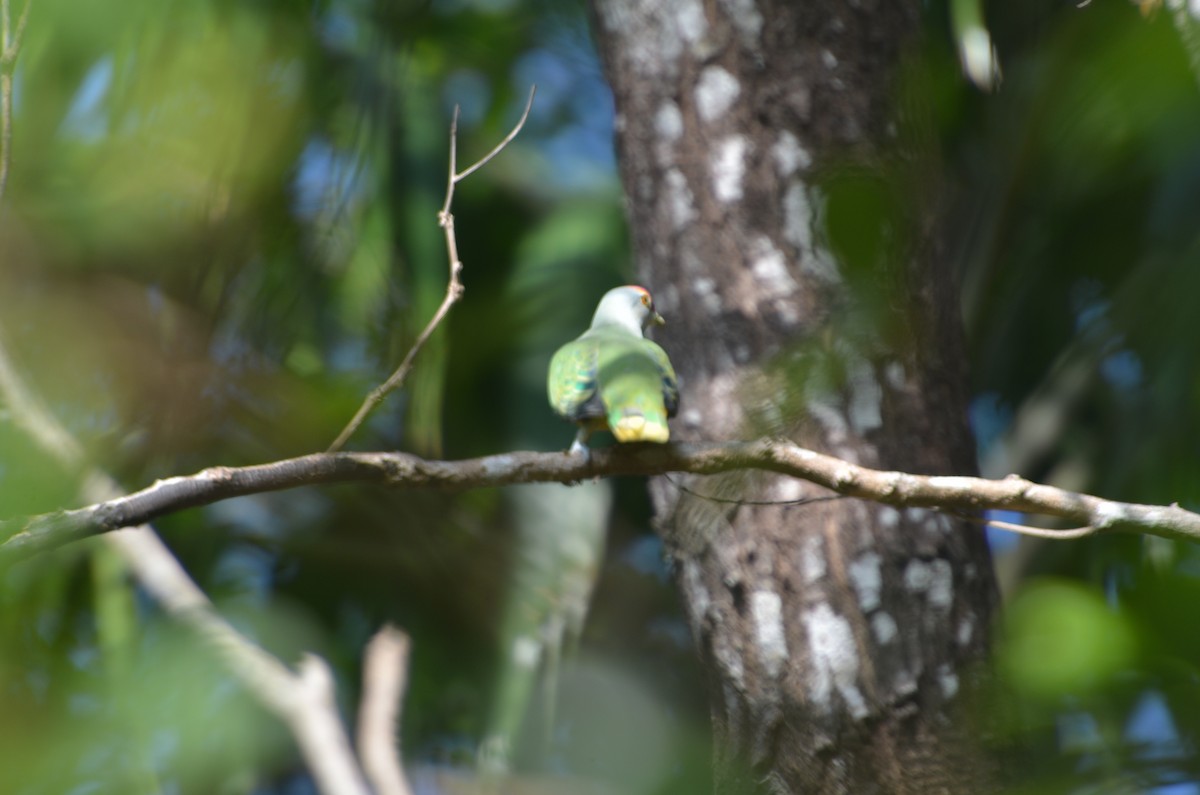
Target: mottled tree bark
column 839, row 636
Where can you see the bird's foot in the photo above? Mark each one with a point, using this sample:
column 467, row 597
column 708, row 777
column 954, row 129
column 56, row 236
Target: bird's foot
column 578, row 448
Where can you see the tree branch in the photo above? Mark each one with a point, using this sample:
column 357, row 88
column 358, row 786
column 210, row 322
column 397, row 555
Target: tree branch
column 385, row 675
column 955, row 494
column 454, row 288
column 303, row 700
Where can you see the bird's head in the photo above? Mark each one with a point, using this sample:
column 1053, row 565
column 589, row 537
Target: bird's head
column 629, row 307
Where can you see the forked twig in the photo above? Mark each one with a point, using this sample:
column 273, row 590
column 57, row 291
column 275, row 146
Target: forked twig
column 454, row 289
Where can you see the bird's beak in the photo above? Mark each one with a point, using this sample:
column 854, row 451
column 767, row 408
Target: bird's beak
column 657, row 320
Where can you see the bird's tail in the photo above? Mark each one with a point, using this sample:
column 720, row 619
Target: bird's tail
column 640, row 428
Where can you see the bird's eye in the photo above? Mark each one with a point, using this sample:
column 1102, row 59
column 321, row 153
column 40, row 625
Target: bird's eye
column 645, row 299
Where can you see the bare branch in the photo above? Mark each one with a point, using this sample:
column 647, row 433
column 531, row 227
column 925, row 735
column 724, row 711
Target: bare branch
column 452, row 171
column 6, row 91
column 311, row 713
column 385, row 676
column 900, row 489
column 30, row 414
column 454, row 288
column 304, row 701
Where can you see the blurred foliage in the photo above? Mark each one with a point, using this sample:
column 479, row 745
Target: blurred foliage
column 1080, row 246
column 219, row 232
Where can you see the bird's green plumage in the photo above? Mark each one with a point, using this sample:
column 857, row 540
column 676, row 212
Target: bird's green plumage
column 612, row 377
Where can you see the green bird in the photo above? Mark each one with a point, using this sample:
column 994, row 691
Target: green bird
column 611, row 377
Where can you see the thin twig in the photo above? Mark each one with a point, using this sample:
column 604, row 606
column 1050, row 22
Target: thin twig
column 1064, row 534
column 452, row 171
column 385, row 677
column 5, row 127
column 751, row 503
column 10, row 47
column 14, row 44
column 483, row 161
column 454, row 288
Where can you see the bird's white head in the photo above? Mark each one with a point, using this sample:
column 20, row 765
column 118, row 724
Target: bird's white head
column 630, row 308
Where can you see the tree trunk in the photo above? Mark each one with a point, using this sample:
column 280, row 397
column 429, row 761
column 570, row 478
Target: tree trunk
column 838, row 635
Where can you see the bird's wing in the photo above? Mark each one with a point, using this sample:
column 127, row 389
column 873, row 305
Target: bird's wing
column 670, row 384
column 572, row 383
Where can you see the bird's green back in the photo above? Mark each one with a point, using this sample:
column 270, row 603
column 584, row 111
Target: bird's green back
column 607, row 376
